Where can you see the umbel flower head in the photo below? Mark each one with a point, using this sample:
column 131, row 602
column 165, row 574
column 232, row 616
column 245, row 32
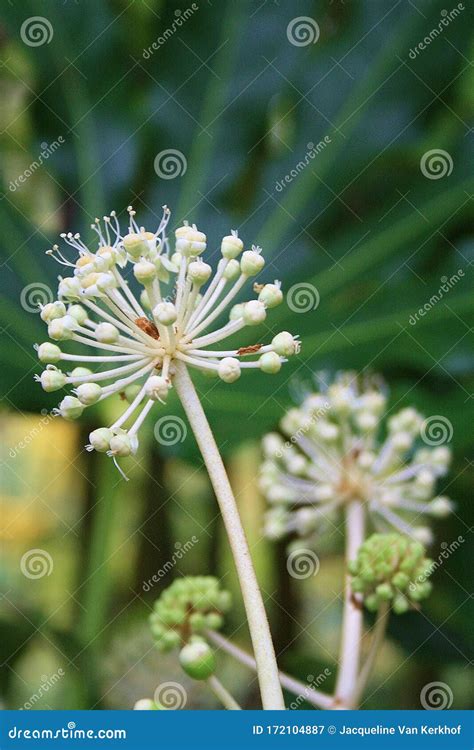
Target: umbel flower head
column 391, row 568
column 140, row 337
column 186, row 609
column 339, row 446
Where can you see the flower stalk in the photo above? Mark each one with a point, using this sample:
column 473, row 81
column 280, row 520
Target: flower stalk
column 272, row 697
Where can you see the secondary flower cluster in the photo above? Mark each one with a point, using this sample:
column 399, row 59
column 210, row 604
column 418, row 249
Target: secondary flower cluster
column 187, row 608
column 140, row 337
column 387, row 568
column 338, row 446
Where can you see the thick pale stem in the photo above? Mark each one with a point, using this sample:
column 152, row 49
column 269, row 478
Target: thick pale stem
column 315, row 697
column 378, row 634
column 352, row 616
column 227, row 700
column 272, row 697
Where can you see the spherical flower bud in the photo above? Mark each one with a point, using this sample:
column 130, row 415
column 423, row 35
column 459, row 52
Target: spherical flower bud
column 121, row 445
column 69, row 288
column 191, row 243
column 231, row 246
column 198, row 660
column 285, row 344
column 402, row 441
column 165, row 312
column 271, row 295
column 229, row 369
column 52, row 380
column 366, row 421
column 105, row 281
column 199, row 271
column 327, row 431
column 187, row 605
column 78, row 313
column 144, row 271
column 272, row 444
column 391, row 567
column 145, row 704
column 70, row 408
column 237, row 311
column 49, row 353
column 441, row 507
column 53, row 310
column 232, row 270
column 423, row 534
column 157, row 388
column 270, row 363
column 62, row 329
column 131, row 392
column 100, row 439
column 80, row 372
column 254, row 313
column 88, row 393
column 138, row 244
column 252, row 262
column 106, row 333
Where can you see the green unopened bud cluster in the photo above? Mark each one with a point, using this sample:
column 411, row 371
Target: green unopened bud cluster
column 187, row 608
column 391, row 568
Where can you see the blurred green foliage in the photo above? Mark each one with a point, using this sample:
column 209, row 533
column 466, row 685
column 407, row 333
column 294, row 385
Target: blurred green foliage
column 361, row 223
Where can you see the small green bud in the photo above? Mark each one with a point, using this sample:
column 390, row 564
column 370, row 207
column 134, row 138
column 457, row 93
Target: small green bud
column 49, row 353
column 198, row 660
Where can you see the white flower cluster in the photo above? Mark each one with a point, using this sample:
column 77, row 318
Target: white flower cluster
column 140, row 337
column 338, row 447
